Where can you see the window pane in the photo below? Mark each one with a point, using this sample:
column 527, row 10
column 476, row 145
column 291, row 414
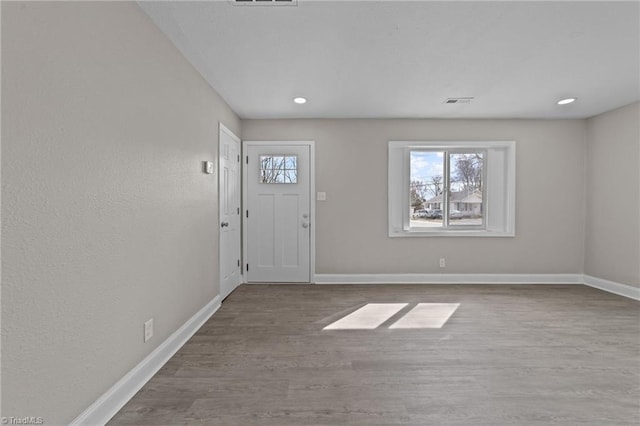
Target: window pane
column 425, row 188
column 266, row 176
column 278, row 169
column 278, row 163
column 265, row 162
column 290, row 176
column 290, row 163
column 466, row 200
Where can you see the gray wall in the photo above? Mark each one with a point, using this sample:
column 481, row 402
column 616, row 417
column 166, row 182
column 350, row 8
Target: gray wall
column 107, row 216
column 612, row 249
column 351, row 166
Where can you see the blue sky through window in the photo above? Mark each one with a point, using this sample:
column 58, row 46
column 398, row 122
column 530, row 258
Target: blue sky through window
column 425, row 164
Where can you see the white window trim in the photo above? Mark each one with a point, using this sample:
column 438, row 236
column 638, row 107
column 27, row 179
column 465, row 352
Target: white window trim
column 500, row 172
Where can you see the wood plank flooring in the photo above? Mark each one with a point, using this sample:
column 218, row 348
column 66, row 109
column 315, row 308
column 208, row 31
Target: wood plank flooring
column 509, row 355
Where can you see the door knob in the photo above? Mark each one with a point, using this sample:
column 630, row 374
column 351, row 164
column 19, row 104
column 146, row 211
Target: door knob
column 305, row 224
column 223, row 224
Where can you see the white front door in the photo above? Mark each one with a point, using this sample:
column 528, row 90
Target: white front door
column 278, row 212
column 229, row 207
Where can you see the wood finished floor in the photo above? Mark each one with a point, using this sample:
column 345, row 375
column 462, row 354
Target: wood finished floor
column 509, row 355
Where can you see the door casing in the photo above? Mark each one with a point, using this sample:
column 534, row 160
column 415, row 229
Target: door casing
column 312, row 200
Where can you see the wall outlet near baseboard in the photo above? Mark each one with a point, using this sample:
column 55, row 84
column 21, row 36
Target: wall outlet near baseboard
column 442, row 262
column 148, row 329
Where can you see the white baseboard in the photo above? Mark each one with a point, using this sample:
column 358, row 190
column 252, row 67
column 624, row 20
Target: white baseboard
column 449, row 279
column 610, row 286
column 613, row 287
column 105, row 407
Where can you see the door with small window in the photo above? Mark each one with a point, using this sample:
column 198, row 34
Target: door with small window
column 278, row 212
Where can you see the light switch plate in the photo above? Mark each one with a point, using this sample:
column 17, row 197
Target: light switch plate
column 208, row 167
column 148, row 329
column 322, row 196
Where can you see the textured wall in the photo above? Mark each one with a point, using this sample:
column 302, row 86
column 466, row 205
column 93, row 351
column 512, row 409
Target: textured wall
column 351, row 166
column 612, row 248
column 108, row 219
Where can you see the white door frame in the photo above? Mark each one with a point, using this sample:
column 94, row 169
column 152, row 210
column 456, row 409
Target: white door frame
column 225, row 129
column 312, row 200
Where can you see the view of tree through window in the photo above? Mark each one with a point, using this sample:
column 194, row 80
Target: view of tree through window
column 278, row 169
column 431, row 201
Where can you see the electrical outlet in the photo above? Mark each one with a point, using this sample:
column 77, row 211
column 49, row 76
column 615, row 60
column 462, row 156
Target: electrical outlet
column 148, row 329
column 442, row 262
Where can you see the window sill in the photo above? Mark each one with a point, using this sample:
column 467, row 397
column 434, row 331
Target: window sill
column 452, row 233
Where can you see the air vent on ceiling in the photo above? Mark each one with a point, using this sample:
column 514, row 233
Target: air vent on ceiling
column 264, row 2
column 458, row 100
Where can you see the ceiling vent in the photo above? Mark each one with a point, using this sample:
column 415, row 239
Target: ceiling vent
column 458, row 100
column 264, row 2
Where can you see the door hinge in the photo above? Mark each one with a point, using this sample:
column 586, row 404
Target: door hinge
column 238, row 210
column 247, row 267
column 238, row 158
column 247, row 159
column 247, row 214
column 238, row 263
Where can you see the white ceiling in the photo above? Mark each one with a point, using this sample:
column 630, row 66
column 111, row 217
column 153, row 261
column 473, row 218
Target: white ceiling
column 396, row 59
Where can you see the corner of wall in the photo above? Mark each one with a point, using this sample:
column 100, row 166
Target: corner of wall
column 585, row 176
column 611, row 250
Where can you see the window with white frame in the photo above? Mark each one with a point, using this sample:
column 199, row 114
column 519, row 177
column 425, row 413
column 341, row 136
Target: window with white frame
column 452, row 188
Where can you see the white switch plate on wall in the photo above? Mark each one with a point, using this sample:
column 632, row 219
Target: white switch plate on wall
column 148, row 329
column 208, row 167
column 321, row 196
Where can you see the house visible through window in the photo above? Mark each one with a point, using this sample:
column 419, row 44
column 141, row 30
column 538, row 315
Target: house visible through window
column 462, row 173
column 452, row 188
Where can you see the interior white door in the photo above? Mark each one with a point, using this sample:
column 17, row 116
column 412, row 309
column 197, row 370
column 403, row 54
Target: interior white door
column 229, row 206
column 278, row 216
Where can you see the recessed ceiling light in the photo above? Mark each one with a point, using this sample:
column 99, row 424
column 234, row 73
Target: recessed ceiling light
column 566, row 101
column 300, row 100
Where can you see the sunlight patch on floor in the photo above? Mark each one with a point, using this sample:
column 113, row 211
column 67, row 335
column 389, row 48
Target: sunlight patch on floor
column 373, row 315
column 426, row 315
column 369, row 317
